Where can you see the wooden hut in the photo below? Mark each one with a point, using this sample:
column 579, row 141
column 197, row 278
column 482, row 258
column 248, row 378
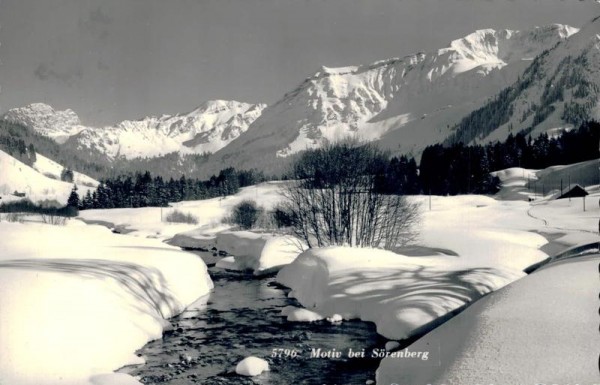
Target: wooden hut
column 575, row 192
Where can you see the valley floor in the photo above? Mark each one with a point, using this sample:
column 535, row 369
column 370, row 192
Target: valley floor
column 78, row 300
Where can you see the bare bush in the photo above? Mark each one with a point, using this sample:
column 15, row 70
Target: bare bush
column 52, row 218
column 245, row 214
column 177, row 216
column 14, row 217
column 335, row 199
column 265, row 220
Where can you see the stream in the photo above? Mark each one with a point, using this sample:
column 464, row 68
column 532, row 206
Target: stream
column 241, row 317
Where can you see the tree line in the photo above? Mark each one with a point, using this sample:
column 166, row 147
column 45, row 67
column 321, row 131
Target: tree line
column 443, row 170
column 143, row 189
column 461, row 169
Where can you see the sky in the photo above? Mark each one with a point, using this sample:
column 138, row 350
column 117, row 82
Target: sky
column 111, row 60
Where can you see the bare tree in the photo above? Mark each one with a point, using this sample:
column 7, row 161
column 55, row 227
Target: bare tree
column 335, row 198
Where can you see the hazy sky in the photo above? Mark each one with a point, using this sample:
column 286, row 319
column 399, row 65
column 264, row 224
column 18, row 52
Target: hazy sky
column 115, row 59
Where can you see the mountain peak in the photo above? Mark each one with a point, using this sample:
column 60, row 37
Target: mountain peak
column 219, row 105
column 407, row 103
column 46, row 120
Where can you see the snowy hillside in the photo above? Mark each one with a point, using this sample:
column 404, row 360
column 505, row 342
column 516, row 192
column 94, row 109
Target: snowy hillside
column 51, row 169
column 523, row 184
column 560, row 89
column 42, row 182
column 408, row 101
column 206, row 129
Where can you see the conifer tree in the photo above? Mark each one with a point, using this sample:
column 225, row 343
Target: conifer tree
column 73, row 200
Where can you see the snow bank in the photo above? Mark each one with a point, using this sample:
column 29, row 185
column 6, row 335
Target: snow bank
column 201, row 238
column 251, row 366
column 77, row 300
column 260, row 253
column 399, row 294
column 542, row 329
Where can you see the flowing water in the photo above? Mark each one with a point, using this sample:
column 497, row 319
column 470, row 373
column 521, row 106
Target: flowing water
column 241, row 317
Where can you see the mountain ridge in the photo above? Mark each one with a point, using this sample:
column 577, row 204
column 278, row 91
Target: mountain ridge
column 403, row 104
column 205, row 129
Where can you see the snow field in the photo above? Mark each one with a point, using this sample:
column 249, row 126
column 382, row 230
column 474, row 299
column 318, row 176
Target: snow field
column 468, row 246
column 481, row 231
column 151, row 222
column 77, row 300
column 485, row 244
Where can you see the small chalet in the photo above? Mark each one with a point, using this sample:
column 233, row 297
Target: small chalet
column 575, row 192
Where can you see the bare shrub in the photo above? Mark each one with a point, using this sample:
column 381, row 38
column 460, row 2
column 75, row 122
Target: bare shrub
column 245, row 214
column 265, row 220
column 177, row 216
column 335, row 199
column 52, row 218
column 14, row 217
column 282, row 217
column 50, row 211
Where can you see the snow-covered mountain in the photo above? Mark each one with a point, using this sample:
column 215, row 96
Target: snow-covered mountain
column 482, row 86
column 206, row 129
column 405, row 103
column 560, row 89
column 58, row 125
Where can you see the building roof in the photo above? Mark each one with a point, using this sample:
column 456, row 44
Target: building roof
column 575, row 192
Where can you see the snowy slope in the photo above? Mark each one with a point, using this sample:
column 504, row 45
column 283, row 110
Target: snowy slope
column 206, row 129
column 408, row 101
column 558, row 91
column 524, row 184
column 77, row 301
column 41, row 181
column 50, row 168
column 542, row 329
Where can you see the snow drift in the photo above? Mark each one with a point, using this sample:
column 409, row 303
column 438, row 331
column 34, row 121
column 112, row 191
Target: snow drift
column 542, row 329
column 400, row 294
column 77, row 300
